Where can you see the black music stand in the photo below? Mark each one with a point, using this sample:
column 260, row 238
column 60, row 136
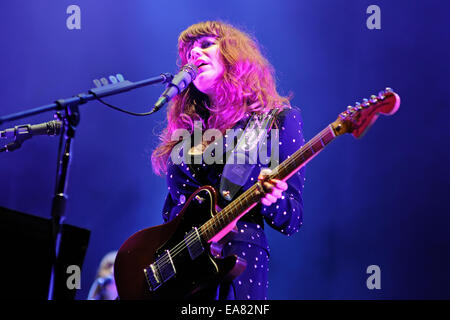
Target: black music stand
column 26, row 249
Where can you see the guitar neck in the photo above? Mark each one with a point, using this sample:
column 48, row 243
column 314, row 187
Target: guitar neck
column 247, row 200
column 302, row 156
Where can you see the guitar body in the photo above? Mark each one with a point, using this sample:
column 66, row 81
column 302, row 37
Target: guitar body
column 173, row 260
column 187, row 269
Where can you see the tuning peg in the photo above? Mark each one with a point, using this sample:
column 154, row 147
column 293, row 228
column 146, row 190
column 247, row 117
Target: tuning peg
column 388, row 90
column 365, row 103
column 373, row 99
column 350, row 110
column 381, row 95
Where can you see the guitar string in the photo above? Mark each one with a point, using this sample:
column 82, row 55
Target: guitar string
column 163, row 260
column 249, row 193
column 287, row 164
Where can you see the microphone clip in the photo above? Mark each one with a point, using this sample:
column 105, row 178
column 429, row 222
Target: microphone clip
column 26, row 131
column 20, row 136
column 176, row 85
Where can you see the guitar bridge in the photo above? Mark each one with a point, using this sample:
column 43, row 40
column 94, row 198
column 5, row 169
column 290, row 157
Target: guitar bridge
column 160, row 271
column 193, row 243
column 152, row 277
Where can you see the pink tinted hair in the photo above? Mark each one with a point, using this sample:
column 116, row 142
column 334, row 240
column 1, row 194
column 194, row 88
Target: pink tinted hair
column 247, row 86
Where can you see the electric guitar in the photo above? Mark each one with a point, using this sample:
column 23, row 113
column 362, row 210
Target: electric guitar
column 174, row 260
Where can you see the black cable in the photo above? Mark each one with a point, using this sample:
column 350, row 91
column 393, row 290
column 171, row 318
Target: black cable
column 120, row 109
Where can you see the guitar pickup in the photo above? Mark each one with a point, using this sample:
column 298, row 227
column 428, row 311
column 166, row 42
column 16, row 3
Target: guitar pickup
column 152, row 277
column 193, row 243
column 160, row 271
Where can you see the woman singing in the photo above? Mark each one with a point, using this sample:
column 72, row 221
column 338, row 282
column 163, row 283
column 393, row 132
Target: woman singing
column 234, row 84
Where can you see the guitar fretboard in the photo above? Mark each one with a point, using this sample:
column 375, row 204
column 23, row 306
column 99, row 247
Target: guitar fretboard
column 250, row 197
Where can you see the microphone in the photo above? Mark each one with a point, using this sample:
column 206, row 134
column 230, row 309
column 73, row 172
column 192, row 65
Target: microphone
column 50, row 128
column 180, row 82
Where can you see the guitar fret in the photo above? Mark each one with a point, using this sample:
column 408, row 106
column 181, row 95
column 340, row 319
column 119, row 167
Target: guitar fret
column 291, row 165
column 226, row 218
column 206, row 229
column 210, row 231
column 317, row 147
column 307, row 153
column 163, row 269
column 329, row 136
column 331, row 132
column 223, row 218
column 303, row 156
column 219, row 223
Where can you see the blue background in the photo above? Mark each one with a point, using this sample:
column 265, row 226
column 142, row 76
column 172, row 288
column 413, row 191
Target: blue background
column 381, row 200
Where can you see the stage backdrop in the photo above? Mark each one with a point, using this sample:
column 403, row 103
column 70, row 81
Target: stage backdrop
column 379, row 201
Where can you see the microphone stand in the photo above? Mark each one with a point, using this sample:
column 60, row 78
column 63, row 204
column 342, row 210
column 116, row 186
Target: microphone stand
column 17, row 143
column 70, row 120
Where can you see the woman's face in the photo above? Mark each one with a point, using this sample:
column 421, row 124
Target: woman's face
column 205, row 54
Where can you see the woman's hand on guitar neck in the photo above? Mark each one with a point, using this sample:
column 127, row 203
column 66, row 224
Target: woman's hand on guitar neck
column 272, row 189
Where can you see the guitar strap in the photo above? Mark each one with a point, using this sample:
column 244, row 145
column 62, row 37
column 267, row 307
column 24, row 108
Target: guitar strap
column 244, row 157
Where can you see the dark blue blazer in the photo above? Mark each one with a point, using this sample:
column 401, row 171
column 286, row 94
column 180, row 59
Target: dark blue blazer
column 249, row 242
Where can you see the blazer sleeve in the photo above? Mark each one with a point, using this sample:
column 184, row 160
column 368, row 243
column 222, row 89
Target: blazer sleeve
column 286, row 215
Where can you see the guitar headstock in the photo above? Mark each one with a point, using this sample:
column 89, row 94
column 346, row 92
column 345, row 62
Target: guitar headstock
column 358, row 118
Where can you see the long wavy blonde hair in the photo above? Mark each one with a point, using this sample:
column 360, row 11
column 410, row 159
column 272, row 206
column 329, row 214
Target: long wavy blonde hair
column 247, row 86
